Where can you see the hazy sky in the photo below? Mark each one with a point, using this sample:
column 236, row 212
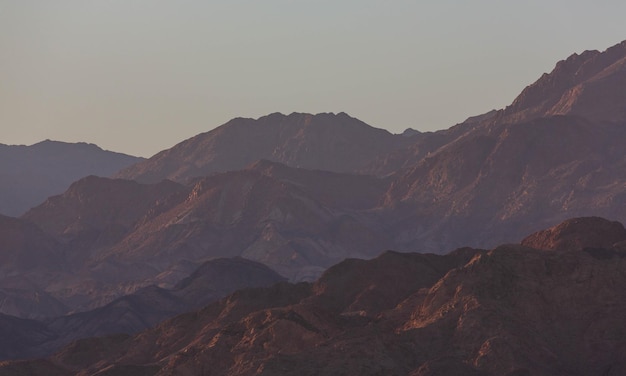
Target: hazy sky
column 139, row 76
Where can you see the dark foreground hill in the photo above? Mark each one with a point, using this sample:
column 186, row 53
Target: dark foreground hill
column 25, row 338
column 30, row 174
column 513, row 310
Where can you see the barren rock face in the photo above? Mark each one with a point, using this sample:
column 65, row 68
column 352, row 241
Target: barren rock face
column 516, row 309
column 328, row 142
column 590, row 85
column 503, row 181
column 490, row 180
column 513, row 310
column 578, row 234
column 555, row 153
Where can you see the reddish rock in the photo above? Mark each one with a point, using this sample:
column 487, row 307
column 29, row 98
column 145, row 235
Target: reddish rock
column 590, row 85
column 328, row 142
column 578, row 234
column 513, row 310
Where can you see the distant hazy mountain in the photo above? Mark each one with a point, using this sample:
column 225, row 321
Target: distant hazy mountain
column 331, row 142
column 120, row 235
column 480, row 183
column 556, row 153
column 512, row 310
column 29, row 174
column 499, row 181
column 135, row 312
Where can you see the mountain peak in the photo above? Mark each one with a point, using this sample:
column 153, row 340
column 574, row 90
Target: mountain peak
column 577, row 234
column 32, row 173
column 589, row 84
column 327, row 141
column 53, row 143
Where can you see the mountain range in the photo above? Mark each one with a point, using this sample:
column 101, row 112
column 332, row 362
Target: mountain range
column 512, row 310
column 336, row 143
column 301, row 193
column 131, row 313
column 30, row 174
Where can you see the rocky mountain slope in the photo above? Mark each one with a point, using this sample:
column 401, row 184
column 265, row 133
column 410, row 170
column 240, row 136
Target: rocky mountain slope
column 331, row 142
column 487, row 181
column 28, row 256
column 29, row 174
column 496, row 183
column 512, row 310
column 118, row 236
column 22, row 338
column 108, row 255
column 589, row 85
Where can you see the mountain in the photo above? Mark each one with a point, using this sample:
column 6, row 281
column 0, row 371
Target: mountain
column 119, row 236
column 553, row 154
column 331, row 142
column 29, row 258
column 298, row 222
column 26, row 248
column 579, row 234
column 589, row 85
column 96, row 212
column 104, row 239
column 93, row 214
column 495, row 183
column 480, row 183
column 220, row 277
column 29, row 174
column 490, row 180
column 132, row 313
column 512, row 310
column 19, row 336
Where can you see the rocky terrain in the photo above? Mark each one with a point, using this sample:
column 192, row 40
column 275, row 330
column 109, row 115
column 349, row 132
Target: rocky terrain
column 331, row 142
column 300, row 193
column 29, row 174
column 487, row 181
column 146, row 307
column 502, row 181
column 588, row 85
column 116, row 236
column 512, row 310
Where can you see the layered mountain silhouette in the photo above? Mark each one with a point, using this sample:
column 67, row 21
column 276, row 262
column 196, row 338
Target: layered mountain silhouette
column 29, row 174
column 117, row 236
column 487, row 181
column 146, row 307
column 512, row 310
column 299, row 193
column 331, row 142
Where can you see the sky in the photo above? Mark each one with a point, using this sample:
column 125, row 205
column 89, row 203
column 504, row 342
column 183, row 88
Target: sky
column 139, row 76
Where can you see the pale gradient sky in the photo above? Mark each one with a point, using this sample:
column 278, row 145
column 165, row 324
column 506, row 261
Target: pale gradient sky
column 139, row 76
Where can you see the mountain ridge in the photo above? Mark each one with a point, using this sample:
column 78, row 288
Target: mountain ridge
column 30, row 174
column 323, row 141
column 555, row 153
column 511, row 310
column 571, row 88
column 134, row 312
